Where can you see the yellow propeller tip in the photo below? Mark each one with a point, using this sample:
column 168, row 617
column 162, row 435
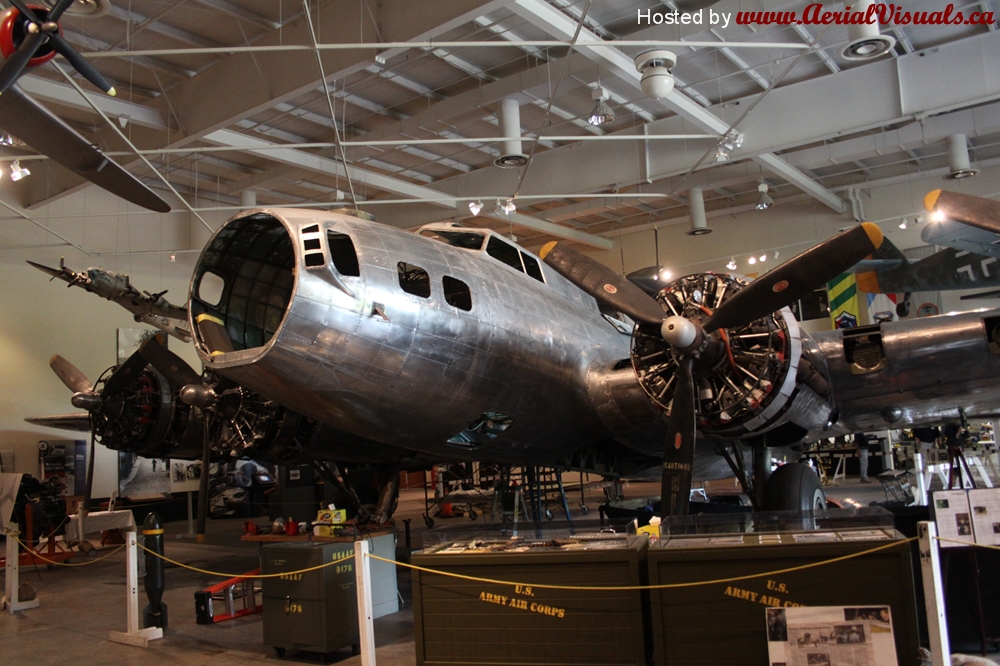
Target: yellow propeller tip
column 112, row 92
column 874, row 233
column 931, row 199
column 546, row 249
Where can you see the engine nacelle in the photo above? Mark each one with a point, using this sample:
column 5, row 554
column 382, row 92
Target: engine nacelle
column 147, row 418
column 12, row 33
column 755, row 381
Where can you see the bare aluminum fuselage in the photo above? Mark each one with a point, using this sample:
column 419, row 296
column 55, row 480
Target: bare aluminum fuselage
column 360, row 354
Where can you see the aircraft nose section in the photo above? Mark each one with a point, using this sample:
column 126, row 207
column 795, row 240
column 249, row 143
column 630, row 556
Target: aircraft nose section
column 243, row 284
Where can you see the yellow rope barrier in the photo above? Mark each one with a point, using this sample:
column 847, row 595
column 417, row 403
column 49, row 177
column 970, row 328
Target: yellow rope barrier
column 593, row 588
column 967, row 543
column 35, row 553
column 229, row 575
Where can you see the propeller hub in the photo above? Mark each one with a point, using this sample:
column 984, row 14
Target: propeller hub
column 679, row 332
column 85, row 400
column 197, row 395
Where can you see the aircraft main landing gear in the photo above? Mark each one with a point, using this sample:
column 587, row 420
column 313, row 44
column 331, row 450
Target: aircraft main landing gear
column 794, row 487
column 791, row 487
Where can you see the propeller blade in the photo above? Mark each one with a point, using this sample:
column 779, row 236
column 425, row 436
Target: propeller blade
column 169, row 364
column 77, row 421
column 678, row 455
column 974, row 211
column 796, row 277
column 602, row 283
column 26, row 10
column 70, row 375
column 80, row 64
column 15, row 64
column 57, row 11
column 125, row 374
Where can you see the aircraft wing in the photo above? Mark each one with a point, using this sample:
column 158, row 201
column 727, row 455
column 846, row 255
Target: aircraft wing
column 36, row 126
column 866, row 265
column 962, row 237
column 78, row 422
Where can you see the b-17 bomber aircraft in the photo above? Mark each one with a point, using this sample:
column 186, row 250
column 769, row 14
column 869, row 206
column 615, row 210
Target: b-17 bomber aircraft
column 330, row 337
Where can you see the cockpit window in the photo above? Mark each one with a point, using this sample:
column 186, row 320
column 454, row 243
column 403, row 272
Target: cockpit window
column 504, row 252
column 531, row 267
column 343, row 254
column 414, row 280
column 470, row 240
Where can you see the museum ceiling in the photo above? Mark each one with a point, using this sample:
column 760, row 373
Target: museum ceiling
column 220, row 98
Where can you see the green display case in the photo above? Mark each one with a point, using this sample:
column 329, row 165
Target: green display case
column 468, row 622
column 316, row 611
column 724, row 623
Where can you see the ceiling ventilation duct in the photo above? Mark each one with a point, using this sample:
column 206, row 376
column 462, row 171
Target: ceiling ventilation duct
column 510, row 126
column 864, row 41
column 958, row 158
column 696, row 206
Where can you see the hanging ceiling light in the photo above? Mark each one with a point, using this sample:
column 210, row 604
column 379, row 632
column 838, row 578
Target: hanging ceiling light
column 762, row 258
column 937, row 216
column 902, row 223
column 752, row 260
column 509, row 207
column 732, row 264
column 729, row 143
column 602, row 113
column 475, row 207
column 775, row 255
column 764, row 201
column 958, row 158
column 17, row 172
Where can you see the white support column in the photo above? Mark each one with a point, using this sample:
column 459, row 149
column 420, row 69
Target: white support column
column 366, row 628
column 930, row 568
column 918, row 472
column 887, row 462
column 134, row 636
column 10, row 599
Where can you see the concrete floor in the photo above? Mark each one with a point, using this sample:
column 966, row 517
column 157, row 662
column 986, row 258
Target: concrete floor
column 80, row 605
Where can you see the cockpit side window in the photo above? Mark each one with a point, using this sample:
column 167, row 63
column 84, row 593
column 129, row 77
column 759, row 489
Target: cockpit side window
column 504, row 252
column 342, row 254
column 414, row 280
column 531, row 267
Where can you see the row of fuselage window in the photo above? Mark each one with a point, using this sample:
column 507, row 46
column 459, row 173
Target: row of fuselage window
column 415, row 280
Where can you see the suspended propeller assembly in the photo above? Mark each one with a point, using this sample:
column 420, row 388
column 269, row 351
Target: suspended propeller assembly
column 30, row 36
column 709, row 346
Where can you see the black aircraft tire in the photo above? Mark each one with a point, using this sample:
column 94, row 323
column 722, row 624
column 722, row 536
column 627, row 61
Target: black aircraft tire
column 903, row 309
column 794, row 487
